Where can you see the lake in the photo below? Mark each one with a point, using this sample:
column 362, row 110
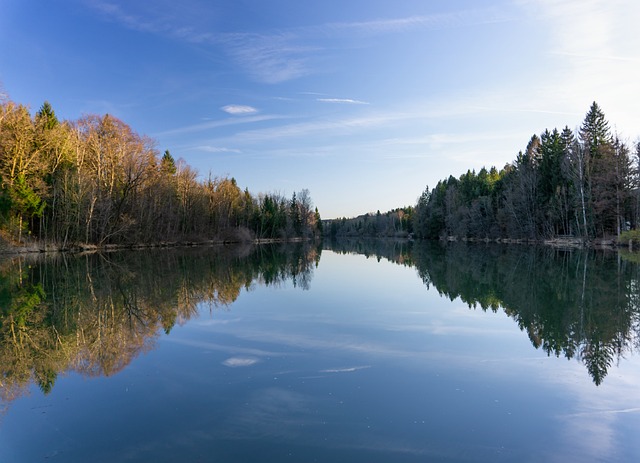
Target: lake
column 354, row 352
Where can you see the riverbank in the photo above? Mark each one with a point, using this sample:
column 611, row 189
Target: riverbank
column 566, row 242
column 42, row 248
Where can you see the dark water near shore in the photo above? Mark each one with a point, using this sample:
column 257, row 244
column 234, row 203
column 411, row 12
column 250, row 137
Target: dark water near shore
column 358, row 352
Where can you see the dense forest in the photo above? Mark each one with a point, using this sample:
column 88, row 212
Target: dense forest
column 583, row 185
column 391, row 224
column 95, row 181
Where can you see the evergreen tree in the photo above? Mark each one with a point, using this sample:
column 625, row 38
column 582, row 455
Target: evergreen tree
column 594, row 132
column 168, row 164
column 46, row 116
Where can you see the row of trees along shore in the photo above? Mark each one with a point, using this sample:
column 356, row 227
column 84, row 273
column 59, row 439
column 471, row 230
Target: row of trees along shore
column 584, row 185
column 95, row 181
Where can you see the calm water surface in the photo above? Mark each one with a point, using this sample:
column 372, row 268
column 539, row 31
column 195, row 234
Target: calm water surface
column 355, row 353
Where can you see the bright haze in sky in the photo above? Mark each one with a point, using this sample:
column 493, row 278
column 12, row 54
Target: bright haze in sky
column 362, row 102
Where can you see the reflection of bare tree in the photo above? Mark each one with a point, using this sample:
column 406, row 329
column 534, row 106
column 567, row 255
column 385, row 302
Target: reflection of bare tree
column 94, row 313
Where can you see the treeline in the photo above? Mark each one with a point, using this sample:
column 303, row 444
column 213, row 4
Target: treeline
column 397, row 223
column 96, row 181
column 583, row 185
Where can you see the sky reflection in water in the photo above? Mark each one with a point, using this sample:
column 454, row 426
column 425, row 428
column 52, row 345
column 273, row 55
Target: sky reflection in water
column 367, row 364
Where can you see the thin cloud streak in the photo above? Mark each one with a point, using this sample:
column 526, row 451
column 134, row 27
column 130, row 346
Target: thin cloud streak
column 341, row 100
column 216, row 124
column 217, row 149
column 362, row 123
column 309, row 128
column 597, row 57
column 434, row 21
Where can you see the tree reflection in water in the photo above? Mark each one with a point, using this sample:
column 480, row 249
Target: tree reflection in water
column 582, row 304
column 94, row 313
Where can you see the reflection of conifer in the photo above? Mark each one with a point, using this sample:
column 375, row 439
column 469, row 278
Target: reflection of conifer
column 597, row 358
column 45, row 380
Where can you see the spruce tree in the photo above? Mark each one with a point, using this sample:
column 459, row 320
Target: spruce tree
column 594, row 132
column 46, row 116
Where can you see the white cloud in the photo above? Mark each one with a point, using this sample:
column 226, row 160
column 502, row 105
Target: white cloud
column 239, row 110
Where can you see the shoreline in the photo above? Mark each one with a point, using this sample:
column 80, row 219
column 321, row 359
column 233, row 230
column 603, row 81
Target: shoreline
column 48, row 248
column 557, row 242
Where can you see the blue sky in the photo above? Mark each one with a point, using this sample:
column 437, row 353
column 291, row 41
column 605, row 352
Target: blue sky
column 364, row 103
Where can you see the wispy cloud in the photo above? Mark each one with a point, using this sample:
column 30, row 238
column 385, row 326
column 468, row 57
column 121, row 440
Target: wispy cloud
column 239, row 110
column 345, row 370
column 212, row 346
column 280, row 55
column 597, row 52
column 270, row 58
column 217, row 149
column 433, row 21
column 215, row 124
column 335, row 126
column 341, row 100
column 164, row 17
column 115, row 13
column 288, row 55
column 602, row 58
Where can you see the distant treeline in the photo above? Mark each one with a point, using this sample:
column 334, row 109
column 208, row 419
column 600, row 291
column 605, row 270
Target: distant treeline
column 392, row 224
column 582, row 185
column 96, row 181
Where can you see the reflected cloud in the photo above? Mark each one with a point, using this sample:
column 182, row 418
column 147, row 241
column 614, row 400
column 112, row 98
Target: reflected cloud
column 217, row 321
column 601, row 411
column 222, row 347
column 345, row 370
column 235, row 362
column 274, row 413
